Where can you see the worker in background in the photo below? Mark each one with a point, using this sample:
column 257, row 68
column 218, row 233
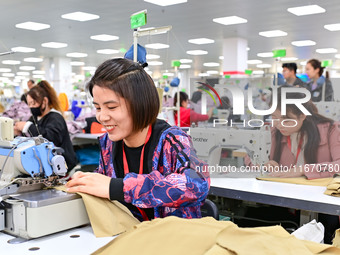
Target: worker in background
column 316, row 86
column 18, row 111
column 30, row 84
column 47, row 120
column 289, row 73
column 146, row 164
column 188, row 116
column 310, row 148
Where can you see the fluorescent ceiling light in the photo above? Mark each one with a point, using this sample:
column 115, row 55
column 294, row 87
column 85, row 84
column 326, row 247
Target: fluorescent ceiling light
column 27, row 68
column 54, row 45
column 77, row 63
column 258, row 72
column 306, row 10
column 265, row 54
column 165, row 2
column 332, row 27
column 264, row 66
column 289, row 59
column 32, row 26
column 185, row 66
column 326, row 50
column 149, row 72
column 248, row 49
column 336, row 56
column 221, row 57
column 38, row 72
column 23, row 49
column 231, row 20
column 80, row 16
column 5, row 70
column 107, row 51
column 254, row 62
column 157, row 46
column 212, row 72
column 104, row 37
column 211, row 64
column 203, row 74
column 152, row 56
column 89, row 68
column 76, row 55
column 303, row 63
column 11, row 62
column 155, row 63
column 8, row 74
column 185, row 61
column 38, row 76
column 33, row 60
column 197, row 52
column 23, row 73
column 201, row 41
column 169, row 74
column 273, row 33
column 303, row 43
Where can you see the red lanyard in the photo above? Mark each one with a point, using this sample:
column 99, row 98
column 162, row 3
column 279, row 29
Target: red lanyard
column 126, row 167
column 299, row 146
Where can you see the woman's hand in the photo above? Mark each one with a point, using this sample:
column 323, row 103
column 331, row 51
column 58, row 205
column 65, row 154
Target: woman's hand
column 19, row 126
column 90, row 183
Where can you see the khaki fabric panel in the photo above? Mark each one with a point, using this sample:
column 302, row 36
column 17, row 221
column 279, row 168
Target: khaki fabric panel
column 168, row 236
column 108, row 218
column 336, row 240
column 333, row 188
column 218, row 250
column 299, row 180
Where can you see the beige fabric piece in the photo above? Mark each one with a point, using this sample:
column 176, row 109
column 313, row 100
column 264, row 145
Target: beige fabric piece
column 336, row 240
column 268, row 241
column 207, row 236
column 299, row 180
column 108, row 218
column 168, row 236
column 333, row 188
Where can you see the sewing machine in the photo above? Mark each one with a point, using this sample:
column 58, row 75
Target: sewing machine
column 211, row 141
column 27, row 165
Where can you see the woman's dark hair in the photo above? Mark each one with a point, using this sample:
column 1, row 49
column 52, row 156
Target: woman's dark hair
column 182, row 98
column 44, row 89
column 225, row 103
column 130, row 81
column 317, row 64
column 309, row 127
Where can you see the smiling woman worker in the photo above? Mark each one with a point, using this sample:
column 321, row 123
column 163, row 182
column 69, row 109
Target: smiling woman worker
column 313, row 144
column 145, row 163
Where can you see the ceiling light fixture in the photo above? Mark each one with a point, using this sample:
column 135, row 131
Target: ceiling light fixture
column 265, row 54
column 80, row 16
column 157, row 46
column 33, row 60
column 185, row 61
column 303, row 43
column 264, row 66
column 5, row 70
column 286, row 59
column 185, row 66
column 27, row 68
column 273, row 33
column 212, row 72
column 155, row 63
column 201, row 41
column 332, row 27
column 326, row 50
column 152, row 56
column 203, row 74
column 230, row 20
column 32, row 26
column 306, row 10
column 23, row 73
column 38, row 72
column 77, row 63
column 197, row 52
column 11, row 62
column 76, row 55
column 165, row 2
column 254, row 62
column 107, row 51
column 23, row 49
column 211, row 64
column 54, row 45
column 104, row 37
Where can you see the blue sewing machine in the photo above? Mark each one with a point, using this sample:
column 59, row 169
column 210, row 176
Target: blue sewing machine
column 27, row 166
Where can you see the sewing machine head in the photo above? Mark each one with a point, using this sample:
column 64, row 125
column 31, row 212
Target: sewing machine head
column 27, row 162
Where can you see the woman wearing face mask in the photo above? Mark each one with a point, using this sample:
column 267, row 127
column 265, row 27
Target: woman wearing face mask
column 314, row 71
column 47, row 120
